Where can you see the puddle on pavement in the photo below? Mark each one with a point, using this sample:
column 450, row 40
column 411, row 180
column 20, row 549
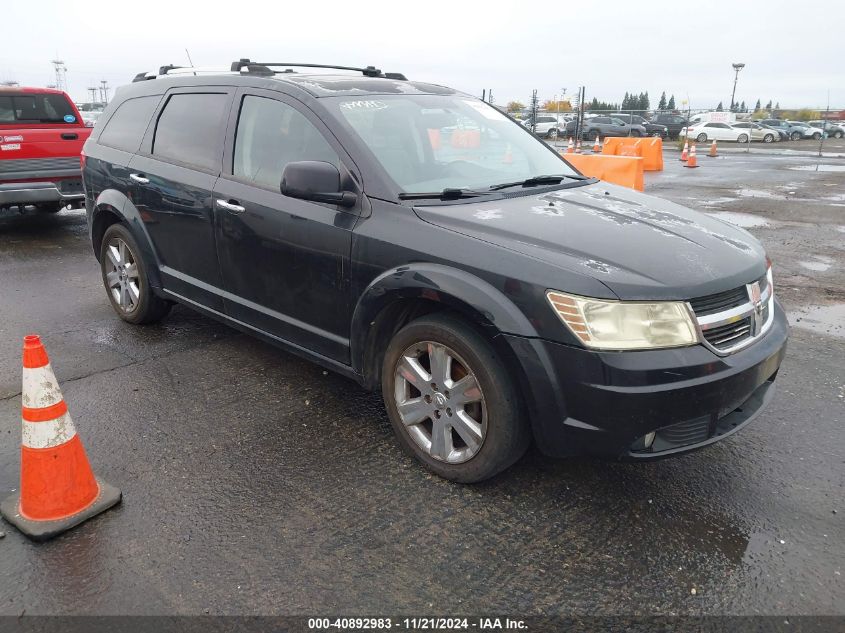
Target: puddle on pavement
column 715, row 202
column 827, row 168
column 742, row 220
column 828, row 320
column 760, row 193
column 817, row 266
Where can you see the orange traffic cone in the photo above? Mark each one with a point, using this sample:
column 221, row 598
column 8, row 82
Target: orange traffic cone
column 692, row 162
column 597, row 145
column 685, row 152
column 570, row 149
column 713, row 153
column 58, row 489
column 578, row 147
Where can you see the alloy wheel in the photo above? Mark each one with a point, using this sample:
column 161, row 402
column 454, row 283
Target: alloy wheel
column 440, row 402
column 122, row 278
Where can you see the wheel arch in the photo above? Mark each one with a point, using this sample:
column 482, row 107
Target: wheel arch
column 112, row 207
column 402, row 294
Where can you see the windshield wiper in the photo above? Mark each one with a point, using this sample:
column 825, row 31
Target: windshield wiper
column 446, row 194
column 536, row 181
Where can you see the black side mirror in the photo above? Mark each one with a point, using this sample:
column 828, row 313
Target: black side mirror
column 315, row 180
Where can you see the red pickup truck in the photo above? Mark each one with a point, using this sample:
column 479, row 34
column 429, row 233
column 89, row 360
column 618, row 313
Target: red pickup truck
column 41, row 138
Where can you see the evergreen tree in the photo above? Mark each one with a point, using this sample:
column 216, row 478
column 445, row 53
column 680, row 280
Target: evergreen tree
column 769, row 105
column 626, row 102
column 742, row 107
column 719, row 107
column 644, row 103
column 757, row 106
column 671, row 104
column 661, row 105
column 777, row 106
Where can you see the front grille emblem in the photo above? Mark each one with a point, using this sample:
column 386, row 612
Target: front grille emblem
column 757, row 301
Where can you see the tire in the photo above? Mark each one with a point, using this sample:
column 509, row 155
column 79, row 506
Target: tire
column 701, row 138
column 769, row 138
column 635, row 133
column 552, row 134
column 742, row 138
column 125, row 279
column 795, row 136
column 593, row 135
column 817, row 136
column 50, row 207
column 494, row 409
column 839, row 135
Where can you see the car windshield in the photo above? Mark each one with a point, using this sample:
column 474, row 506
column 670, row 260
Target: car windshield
column 434, row 142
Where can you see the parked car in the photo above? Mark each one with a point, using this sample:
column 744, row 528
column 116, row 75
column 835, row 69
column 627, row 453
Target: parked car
column 490, row 291
column 41, row 135
column 758, row 132
column 794, row 132
column 781, row 133
column 674, row 122
column 806, row 130
column 547, row 126
column 833, row 129
column 714, row 131
column 651, row 129
column 602, row 126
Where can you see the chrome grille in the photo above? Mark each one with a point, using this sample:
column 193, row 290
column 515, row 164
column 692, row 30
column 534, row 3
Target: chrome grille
column 9, row 167
column 731, row 320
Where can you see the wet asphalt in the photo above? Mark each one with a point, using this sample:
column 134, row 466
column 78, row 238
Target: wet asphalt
column 256, row 483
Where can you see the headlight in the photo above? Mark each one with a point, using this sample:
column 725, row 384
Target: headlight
column 625, row 325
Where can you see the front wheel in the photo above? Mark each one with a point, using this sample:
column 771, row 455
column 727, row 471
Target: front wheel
column 769, row 138
column 701, row 138
column 838, row 134
column 125, row 278
column 635, row 133
column 817, row 136
column 451, row 401
column 593, row 135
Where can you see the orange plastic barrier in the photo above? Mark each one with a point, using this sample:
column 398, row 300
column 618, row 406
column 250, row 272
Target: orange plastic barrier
column 651, row 149
column 619, row 170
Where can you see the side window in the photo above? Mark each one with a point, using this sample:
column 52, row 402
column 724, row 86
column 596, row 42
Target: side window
column 190, row 127
column 126, row 127
column 272, row 134
column 617, row 121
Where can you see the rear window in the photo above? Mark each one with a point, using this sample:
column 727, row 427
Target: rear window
column 36, row 108
column 127, row 125
column 190, row 128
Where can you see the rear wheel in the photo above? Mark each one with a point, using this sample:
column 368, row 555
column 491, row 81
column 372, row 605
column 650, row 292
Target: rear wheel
column 552, row 134
column 742, row 138
column 838, row 134
column 817, row 136
column 635, row 133
column 125, row 278
column 795, row 136
column 451, row 401
column 593, row 135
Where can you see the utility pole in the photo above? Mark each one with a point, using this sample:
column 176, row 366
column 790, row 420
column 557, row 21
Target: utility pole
column 737, row 68
column 60, row 69
column 490, row 96
column 534, row 110
column 93, row 90
column 104, row 91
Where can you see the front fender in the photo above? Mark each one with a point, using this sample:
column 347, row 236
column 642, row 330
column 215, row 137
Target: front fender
column 452, row 287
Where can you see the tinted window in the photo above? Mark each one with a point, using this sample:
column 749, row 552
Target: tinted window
column 617, row 122
column 36, row 108
column 127, row 125
column 272, row 134
column 189, row 129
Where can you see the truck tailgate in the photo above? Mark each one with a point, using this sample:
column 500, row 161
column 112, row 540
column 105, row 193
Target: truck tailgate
column 35, row 153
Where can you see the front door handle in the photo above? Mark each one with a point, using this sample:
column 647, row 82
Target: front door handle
column 140, row 178
column 230, row 206
column 70, row 136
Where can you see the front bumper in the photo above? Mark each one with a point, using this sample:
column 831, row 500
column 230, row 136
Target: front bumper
column 587, row 402
column 20, row 193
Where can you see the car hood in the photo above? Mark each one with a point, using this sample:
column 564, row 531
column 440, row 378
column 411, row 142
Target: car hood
column 639, row 246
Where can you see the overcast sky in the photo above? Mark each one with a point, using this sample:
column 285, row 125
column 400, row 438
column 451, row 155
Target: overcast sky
column 794, row 51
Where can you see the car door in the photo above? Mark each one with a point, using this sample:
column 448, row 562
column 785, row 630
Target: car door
column 284, row 261
column 172, row 178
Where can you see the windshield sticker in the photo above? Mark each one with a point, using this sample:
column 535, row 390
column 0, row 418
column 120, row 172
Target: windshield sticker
column 69, row 118
column 364, row 104
column 11, row 139
column 10, row 146
column 488, row 112
column 488, row 214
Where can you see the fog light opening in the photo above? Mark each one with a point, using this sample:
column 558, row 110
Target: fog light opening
column 648, row 439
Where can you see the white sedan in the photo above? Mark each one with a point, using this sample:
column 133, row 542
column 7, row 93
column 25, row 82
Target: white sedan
column 713, row 131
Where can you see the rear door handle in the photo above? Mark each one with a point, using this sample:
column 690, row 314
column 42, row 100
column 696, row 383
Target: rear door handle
column 231, row 207
column 140, row 178
column 70, row 136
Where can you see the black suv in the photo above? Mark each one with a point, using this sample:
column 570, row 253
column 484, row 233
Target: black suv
column 674, row 122
column 417, row 240
column 652, row 129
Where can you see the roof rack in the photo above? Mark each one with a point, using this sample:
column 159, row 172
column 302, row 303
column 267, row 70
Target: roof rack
column 266, row 68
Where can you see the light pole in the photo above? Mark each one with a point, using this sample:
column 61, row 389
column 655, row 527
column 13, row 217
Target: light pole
column 737, row 68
